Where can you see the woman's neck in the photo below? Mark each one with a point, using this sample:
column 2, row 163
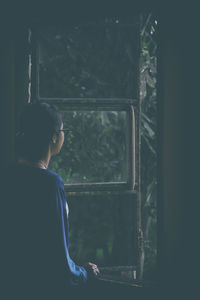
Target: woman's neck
column 42, row 163
column 39, row 164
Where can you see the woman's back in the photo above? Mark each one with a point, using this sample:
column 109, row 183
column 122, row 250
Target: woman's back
column 33, row 252
column 35, row 261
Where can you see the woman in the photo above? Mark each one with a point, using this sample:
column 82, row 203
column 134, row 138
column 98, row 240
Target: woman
column 36, row 211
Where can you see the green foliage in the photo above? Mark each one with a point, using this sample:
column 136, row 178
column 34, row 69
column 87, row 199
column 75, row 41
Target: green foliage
column 100, row 254
column 98, row 59
column 95, row 148
column 148, row 131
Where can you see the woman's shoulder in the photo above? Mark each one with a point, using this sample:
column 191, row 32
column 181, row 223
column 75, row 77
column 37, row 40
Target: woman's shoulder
column 22, row 171
column 56, row 177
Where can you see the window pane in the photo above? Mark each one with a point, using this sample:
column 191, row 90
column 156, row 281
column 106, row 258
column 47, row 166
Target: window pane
column 102, row 228
column 95, row 148
column 98, row 59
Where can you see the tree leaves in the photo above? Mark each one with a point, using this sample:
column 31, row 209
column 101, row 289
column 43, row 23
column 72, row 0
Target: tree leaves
column 95, row 150
column 148, row 131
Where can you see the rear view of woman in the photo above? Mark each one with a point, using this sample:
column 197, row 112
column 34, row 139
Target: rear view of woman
column 36, row 263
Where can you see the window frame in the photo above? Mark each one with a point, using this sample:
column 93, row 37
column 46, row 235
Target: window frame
column 131, row 106
column 82, row 194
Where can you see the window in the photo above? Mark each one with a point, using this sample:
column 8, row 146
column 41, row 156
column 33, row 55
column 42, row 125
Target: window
column 91, row 70
column 96, row 150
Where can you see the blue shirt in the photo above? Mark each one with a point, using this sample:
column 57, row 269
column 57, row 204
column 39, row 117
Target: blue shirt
column 76, row 274
column 35, row 235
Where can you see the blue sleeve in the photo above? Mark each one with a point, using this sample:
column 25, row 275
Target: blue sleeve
column 77, row 274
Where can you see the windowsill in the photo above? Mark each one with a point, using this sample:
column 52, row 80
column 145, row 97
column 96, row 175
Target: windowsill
column 124, row 276
column 100, row 193
column 122, row 282
column 105, row 187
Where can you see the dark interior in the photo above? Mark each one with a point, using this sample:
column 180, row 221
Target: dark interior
column 178, row 123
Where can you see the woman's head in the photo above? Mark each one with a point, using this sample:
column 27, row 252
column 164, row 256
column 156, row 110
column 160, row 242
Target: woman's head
column 39, row 129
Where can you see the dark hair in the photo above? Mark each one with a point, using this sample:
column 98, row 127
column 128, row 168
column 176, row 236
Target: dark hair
column 37, row 124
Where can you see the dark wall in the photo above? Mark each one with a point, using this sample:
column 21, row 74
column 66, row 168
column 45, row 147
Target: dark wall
column 179, row 143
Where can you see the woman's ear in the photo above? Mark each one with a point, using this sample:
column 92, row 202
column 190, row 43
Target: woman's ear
column 54, row 139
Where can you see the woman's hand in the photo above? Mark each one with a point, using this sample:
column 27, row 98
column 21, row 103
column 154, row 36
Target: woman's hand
column 92, row 269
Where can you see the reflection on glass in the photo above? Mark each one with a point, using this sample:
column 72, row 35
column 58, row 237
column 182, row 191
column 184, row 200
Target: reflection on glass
column 94, row 149
column 98, row 60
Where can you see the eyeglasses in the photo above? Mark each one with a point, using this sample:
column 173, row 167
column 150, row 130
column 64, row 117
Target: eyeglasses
column 65, row 130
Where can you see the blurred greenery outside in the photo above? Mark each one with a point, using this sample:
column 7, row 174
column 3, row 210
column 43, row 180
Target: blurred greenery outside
column 101, row 60
column 89, row 153
column 148, row 133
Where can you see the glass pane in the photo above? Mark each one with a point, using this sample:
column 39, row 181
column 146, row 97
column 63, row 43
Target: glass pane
column 95, row 148
column 98, row 59
column 102, row 230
